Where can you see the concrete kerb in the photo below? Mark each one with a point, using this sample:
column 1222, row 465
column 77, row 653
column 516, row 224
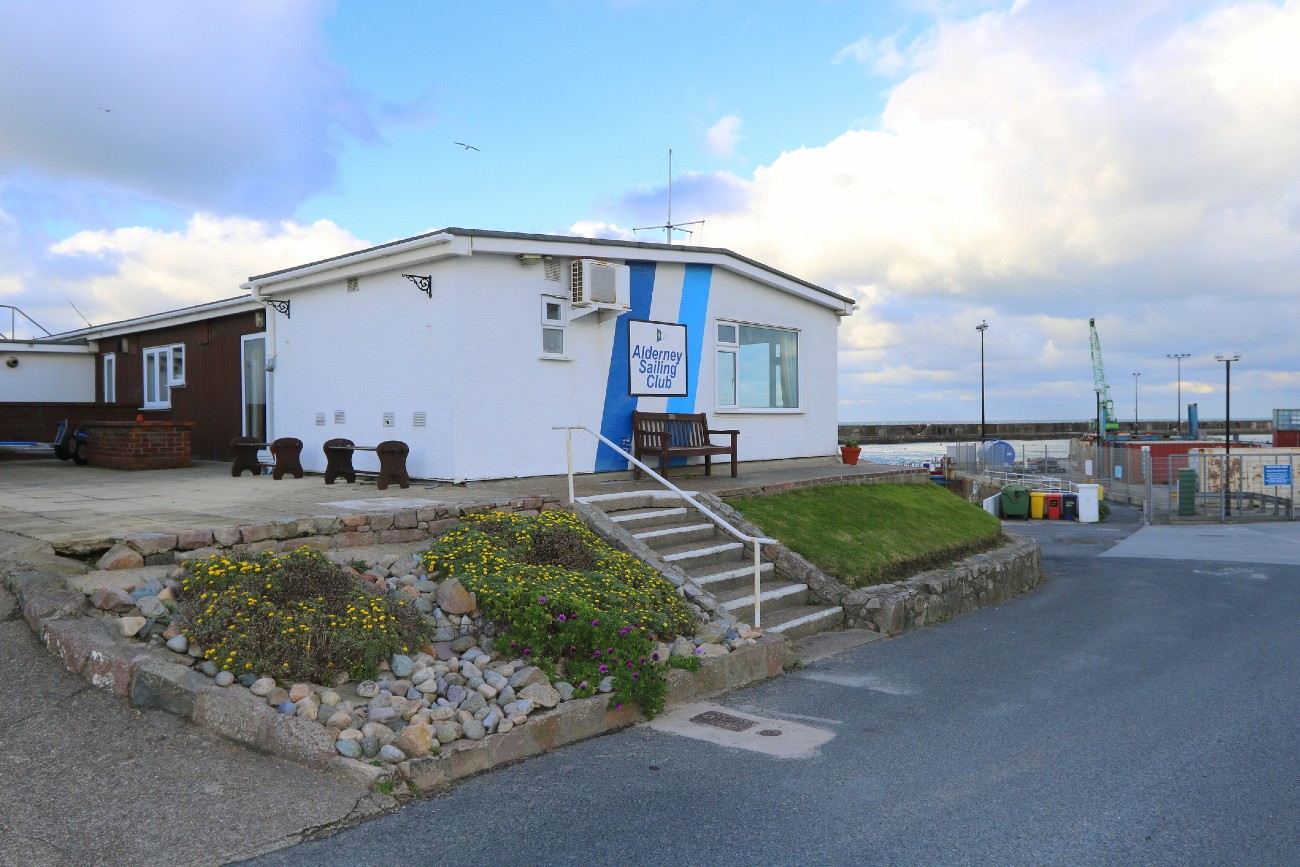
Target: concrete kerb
column 930, row 597
column 89, row 648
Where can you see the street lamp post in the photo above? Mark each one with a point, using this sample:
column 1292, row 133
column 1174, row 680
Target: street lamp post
column 1227, row 358
column 1135, row 403
column 1178, row 415
column 981, row 328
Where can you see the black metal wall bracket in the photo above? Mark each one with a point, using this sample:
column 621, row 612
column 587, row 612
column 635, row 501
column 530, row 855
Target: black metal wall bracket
column 278, row 305
column 424, row 284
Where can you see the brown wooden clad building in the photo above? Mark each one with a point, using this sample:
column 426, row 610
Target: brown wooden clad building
column 204, row 364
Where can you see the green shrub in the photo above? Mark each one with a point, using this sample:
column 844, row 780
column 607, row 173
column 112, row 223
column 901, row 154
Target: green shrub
column 296, row 616
column 566, row 600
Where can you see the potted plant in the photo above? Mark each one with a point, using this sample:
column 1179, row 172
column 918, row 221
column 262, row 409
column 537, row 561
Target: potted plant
column 849, row 452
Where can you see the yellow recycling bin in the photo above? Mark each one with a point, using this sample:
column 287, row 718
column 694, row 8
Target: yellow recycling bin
column 1036, row 501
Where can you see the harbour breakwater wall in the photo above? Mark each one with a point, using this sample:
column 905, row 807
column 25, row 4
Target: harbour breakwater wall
column 920, row 432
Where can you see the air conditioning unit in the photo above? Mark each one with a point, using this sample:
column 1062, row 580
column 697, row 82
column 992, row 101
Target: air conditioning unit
column 602, row 285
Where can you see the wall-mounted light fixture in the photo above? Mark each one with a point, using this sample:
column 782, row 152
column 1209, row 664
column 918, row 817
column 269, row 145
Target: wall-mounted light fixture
column 11, row 361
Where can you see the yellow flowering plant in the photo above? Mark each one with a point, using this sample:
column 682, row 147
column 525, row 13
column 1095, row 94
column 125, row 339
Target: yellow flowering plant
column 294, row 615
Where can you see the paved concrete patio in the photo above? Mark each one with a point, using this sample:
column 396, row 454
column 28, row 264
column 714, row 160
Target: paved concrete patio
column 59, row 502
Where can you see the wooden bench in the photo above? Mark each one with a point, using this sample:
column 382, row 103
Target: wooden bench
column 392, row 461
column 287, row 452
column 674, row 435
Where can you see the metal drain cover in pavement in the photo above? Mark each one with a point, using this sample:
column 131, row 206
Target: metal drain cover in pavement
column 723, row 721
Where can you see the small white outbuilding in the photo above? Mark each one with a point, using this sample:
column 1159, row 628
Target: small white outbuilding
column 472, row 345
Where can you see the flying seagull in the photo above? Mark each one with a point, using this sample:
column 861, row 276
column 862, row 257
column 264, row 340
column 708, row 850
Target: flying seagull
column 468, row 147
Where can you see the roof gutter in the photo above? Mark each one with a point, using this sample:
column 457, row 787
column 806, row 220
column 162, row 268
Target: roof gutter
column 255, row 285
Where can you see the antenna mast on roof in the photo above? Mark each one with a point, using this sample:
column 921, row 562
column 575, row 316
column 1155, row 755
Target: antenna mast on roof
column 669, row 226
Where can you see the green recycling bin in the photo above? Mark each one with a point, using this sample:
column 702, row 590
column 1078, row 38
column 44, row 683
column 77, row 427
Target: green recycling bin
column 1015, row 501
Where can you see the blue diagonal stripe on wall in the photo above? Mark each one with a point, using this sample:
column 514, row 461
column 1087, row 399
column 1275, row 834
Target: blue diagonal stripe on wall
column 616, row 418
column 693, row 313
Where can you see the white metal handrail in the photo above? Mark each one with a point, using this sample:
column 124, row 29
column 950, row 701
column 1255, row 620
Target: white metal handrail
column 756, row 541
column 1034, row 481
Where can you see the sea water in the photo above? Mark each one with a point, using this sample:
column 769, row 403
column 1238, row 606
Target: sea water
column 914, row 454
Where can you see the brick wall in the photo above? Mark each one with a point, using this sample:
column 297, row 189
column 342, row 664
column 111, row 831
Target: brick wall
column 139, row 445
column 36, row 422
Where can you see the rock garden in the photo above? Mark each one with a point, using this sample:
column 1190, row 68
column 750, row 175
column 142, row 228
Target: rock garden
column 372, row 668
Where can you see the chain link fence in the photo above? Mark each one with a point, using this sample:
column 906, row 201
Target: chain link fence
column 1206, row 484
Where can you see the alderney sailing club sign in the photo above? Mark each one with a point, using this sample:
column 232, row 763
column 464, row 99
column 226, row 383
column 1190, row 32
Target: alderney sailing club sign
column 656, row 362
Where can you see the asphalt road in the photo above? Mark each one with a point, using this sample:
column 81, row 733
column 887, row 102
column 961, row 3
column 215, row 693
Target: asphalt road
column 1132, row 710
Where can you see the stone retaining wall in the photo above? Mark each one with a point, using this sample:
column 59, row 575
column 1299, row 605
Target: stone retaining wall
column 901, row 476
column 979, row 580
column 89, row 648
column 325, row 532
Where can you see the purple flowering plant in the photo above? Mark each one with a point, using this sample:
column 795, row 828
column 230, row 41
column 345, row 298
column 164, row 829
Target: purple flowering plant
column 582, row 608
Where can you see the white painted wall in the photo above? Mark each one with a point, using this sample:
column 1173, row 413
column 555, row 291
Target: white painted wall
column 509, row 396
column 47, row 374
column 385, row 348
column 471, row 358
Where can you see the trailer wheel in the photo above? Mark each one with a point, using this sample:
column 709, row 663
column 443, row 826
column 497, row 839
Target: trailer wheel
column 81, row 454
column 61, row 451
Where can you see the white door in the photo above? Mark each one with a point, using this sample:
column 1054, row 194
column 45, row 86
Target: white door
column 254, row 385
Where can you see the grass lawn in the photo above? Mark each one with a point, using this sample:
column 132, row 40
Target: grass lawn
column 871, row 534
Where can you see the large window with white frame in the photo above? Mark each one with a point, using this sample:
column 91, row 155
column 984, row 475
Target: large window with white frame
column 555, row 321
column 757, row 367
column 164, row 369
column 110, row 377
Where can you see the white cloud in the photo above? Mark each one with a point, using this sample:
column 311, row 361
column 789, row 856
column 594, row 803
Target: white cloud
column 881, row 54
column 1034, row 175
column 145, row 270
column 595, row 229
column 723, row 137
column 231, row 106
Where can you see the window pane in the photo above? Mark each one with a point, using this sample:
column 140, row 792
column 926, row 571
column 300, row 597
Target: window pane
column 553, row 341
column 150, row 378
column 726, row 333
column 554, row 312
column 726, row 378
column 255, row 387
column 110, row 378
column 769, row 368
column 177, row 375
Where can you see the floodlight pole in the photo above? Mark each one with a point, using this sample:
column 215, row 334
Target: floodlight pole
column 1178, row 407
column 981, row 328
column 1227, row 358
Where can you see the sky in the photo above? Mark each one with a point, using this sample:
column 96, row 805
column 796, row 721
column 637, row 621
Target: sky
column 1029, row 163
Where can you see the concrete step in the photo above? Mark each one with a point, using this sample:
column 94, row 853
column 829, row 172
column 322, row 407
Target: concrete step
column 774, row 595
column 802, row 621
column 611, row 503
column 716, row 562
column 732, row 578
column 694, row 558
column 635, row 520
column 663, row 538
